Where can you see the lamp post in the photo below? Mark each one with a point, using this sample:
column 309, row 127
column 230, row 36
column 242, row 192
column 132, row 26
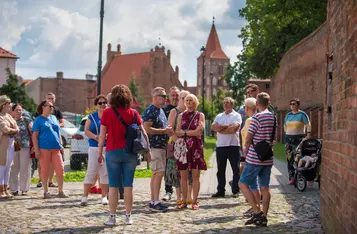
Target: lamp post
column 203, row 50
column 99, row 72
column 212, row 95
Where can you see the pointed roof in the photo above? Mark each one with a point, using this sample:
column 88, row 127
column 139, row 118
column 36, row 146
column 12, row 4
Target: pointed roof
column 6, row 54
column 213, row 46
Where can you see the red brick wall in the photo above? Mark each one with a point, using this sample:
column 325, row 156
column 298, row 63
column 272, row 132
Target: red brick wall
column 339, row 165
column 302, row 73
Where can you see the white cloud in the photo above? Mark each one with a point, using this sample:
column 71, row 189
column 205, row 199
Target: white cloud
column 232, row 51
column 64, row 37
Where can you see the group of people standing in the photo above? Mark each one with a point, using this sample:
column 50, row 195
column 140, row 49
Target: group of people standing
column 20, row 138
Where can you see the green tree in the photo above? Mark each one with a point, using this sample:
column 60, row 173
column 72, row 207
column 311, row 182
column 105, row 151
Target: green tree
column 17, row 92
column 135, row 92
column 272, row 28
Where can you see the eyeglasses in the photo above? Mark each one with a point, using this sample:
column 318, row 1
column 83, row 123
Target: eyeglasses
column 250, row 91
column 102, row 103
column 293, row 104
column 49, row 106
column 162, row 95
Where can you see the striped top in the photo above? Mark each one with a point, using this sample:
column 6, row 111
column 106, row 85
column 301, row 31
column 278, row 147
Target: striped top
column 295, row 124
column 261, row 127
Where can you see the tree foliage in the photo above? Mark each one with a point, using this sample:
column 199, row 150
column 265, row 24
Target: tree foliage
column 272, row 28
column 17, row 92
column 135, row 92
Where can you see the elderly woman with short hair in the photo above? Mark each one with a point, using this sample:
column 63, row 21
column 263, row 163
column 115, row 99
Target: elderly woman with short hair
column 190, row 126
column 47, row 143
column 8, row 129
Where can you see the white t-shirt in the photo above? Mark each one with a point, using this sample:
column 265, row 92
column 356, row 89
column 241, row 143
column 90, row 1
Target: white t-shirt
column 228, row 139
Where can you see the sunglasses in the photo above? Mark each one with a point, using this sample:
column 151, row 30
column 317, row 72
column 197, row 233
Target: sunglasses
column 49, row 106
column 162, row 95
column 293, row 104
column 250, row 92
column 102, row 103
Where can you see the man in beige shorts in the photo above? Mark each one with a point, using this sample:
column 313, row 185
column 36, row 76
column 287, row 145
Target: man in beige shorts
column 155, row 124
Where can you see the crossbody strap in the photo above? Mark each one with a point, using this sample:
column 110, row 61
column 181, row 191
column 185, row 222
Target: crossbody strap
column 192, row 121
column 96, row 126
column 272, row 135
column 120, row 117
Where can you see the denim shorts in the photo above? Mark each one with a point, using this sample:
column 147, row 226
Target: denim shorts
column 120, row 163
column 251, row 172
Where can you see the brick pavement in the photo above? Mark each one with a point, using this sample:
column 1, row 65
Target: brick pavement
column 290, row 212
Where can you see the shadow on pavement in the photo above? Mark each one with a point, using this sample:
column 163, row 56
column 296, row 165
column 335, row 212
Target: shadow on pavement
column 92, row 229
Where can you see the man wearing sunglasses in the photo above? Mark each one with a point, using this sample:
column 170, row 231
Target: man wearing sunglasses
column 296, row 126
column 155, row 124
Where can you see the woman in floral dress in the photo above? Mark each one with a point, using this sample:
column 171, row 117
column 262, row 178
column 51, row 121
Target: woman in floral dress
column 190, row 126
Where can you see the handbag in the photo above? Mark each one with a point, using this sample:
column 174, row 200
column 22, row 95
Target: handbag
column 264, row 149
column 181, row 147
column 32, row 155
column 17, row 146
column 170, row 148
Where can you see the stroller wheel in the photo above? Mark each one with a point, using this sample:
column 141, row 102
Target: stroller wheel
column 301, row 183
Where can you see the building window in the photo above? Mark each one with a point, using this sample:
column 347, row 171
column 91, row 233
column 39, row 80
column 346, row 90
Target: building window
column 220, row 70
column 214, row 81
column 267, row 86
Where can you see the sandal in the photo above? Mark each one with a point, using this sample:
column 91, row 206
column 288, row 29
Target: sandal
column 52, row 185
column 189, row 201
column 39, row 184
column 195, row 206
column 62, row 195
column 255, row 218
column 248, row 213
column 182, row 206
column 47, row 195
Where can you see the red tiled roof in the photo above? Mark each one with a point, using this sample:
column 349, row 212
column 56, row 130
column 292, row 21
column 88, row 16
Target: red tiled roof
column 192, row 89
column 27, row 82
column 6, row 54
column 213, row 46
column 121, row 68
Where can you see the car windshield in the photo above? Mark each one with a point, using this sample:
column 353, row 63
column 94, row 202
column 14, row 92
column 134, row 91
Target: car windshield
column 68, row 124
column 81, row 127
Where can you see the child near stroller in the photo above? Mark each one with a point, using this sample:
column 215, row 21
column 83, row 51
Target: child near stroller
column 307, row 163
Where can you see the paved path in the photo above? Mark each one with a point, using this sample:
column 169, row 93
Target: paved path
column 290, row 211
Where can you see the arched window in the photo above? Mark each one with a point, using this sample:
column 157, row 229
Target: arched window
column 214, row 81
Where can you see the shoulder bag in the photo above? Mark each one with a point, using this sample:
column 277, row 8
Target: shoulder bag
column 264, row 149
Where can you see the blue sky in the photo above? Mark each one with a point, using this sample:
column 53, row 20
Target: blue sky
column 51, row 35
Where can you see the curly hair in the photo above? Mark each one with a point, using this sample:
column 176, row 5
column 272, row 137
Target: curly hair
column 121, row 96
column 100, row 96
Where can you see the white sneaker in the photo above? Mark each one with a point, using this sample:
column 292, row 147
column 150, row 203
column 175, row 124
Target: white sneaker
column 104, row 201
column 167, row 197
column 84, row 201
column 128, row 220
column 111, row 220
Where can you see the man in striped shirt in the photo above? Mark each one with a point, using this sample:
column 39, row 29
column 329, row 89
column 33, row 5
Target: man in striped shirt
column 260, row 129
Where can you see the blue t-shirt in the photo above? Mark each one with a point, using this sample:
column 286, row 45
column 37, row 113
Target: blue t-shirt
column 159, row 120
column 49, row 132
column 94, row 128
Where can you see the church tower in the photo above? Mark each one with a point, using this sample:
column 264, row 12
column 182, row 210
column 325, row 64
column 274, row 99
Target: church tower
column 215, row 65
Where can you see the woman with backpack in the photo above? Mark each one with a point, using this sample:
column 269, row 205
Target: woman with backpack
column 92, row 131
column 120, row 163
column 21, row 169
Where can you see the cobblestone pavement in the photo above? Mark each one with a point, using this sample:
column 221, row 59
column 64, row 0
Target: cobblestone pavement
column 290, row 212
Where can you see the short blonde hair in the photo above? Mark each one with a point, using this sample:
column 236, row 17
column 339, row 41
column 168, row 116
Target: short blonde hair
column 194, row 99
column 184, row 92
column 251, row 103
column 229, row 99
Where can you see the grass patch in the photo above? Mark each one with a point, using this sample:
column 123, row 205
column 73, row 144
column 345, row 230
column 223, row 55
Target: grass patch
column 208, row 148
column 279, row 151
column 78, row 176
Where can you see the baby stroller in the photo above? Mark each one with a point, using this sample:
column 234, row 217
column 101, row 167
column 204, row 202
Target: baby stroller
column 302, row 175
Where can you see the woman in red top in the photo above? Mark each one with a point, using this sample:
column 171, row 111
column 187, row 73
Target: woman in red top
column 120, row 164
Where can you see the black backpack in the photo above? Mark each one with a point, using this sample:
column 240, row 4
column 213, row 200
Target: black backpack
column 135, row 141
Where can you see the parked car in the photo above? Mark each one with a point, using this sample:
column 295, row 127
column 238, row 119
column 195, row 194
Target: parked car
column 79, row 147
column 67, row 132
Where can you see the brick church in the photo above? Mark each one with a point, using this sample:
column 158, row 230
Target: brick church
column 153, row 68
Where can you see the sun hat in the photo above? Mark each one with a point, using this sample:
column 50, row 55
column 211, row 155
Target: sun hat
column 4, row 99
